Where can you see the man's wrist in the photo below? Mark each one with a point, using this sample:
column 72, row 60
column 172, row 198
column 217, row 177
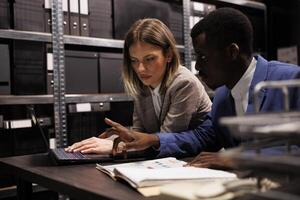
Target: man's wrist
column 154, row 141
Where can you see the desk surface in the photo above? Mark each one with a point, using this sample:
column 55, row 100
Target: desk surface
column 77, row 181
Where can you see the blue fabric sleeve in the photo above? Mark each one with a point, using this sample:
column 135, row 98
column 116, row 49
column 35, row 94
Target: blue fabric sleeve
column 190, row 142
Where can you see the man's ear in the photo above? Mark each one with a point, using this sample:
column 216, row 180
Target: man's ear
column 233, row 50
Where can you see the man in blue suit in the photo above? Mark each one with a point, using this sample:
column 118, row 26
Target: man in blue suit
column 223, row 44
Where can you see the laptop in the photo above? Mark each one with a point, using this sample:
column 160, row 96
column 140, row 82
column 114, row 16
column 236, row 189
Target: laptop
column 61, row 157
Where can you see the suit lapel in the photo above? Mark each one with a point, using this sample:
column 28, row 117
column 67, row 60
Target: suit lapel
column 151, row 120
column 260, row 74
column 164, row 108
column 230, row 104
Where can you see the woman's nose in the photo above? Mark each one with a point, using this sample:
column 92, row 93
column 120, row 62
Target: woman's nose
column 141, row 67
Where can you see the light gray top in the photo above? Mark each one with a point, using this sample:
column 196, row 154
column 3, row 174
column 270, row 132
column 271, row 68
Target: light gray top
column 183, row 106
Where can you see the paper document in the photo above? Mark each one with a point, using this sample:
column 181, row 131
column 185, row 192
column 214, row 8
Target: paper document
column 151, row 177
column 160, row 171
column 169, row 162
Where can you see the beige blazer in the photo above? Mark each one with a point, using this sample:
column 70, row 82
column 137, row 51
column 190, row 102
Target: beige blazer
column 183, row 106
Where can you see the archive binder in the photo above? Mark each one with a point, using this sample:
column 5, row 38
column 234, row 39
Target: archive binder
column 29, row 72
column 66, row 17
column 4, row 14
column 74, row 17
column 100, row 18
column 110, row 70
column 83, row 17
column 29, row 15
column 5, row 69
column 47, row 16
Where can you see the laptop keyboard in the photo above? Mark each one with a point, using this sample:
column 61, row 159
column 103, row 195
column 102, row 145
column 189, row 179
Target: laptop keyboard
column 63, row 155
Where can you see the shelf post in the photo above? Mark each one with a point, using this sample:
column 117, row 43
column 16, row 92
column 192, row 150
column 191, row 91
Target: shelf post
column 59, row 75
column 186, row 33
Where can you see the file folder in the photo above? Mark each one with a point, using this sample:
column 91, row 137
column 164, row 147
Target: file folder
column 5, row 69
column 111, row 73
column 4, row 14
column 48, row 16
column 81, row 71
column 66, row 21
column 74, row 17
column 100, row 18
column 29, row 15
column 83, row 18
column 28, row 69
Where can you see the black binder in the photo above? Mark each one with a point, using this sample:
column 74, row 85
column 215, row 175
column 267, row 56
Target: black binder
column 29, row 15
column 100, row 18
column 5, row 69
column 111, row 73
column 4, row 14
column 83, row 18
column 126, row 12
column 176, row 22
column 66, row 16
column 74, row 17
column 81, row 71
column 29, row 72
column 48, row 21
column 47, row 17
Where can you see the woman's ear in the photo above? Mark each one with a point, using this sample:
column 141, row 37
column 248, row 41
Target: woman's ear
column 233, row 51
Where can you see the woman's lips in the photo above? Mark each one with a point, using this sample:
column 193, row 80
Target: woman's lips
column 145, row 76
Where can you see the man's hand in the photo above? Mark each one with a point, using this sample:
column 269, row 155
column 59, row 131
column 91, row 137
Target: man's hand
column 210, row 160
column 92, row 145
column 133, row 140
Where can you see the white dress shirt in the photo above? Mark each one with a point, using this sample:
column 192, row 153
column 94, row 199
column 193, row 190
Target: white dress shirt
column 240, row 92
column 156, row 98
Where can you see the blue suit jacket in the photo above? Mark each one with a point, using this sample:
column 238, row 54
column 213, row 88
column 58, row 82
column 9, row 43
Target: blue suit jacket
column 210, row 136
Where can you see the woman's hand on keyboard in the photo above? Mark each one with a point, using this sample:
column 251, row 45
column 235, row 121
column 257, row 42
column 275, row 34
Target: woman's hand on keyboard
column 132, row 140
column 92, row 145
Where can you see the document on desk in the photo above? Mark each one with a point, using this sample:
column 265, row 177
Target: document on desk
column 169, row 162
column 159, row 172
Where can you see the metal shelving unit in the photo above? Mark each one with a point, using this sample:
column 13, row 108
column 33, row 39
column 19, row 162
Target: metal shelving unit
column 186, row 33
column 70, row 98
column 58, row 39
column 60, row 115
column 68, row 39
column 59, row 100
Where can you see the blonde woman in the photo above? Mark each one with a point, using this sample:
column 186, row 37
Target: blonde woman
column 167, row 96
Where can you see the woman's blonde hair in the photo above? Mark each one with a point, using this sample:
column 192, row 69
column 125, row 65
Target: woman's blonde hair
column 154, row 32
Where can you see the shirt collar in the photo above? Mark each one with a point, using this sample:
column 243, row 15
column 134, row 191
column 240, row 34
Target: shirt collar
column 155, row 91
column 242, row 86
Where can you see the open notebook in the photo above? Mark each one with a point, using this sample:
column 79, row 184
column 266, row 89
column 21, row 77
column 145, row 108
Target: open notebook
column 160, row 171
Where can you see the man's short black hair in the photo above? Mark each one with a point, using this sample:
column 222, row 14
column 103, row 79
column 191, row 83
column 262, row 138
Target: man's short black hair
column 225, row 26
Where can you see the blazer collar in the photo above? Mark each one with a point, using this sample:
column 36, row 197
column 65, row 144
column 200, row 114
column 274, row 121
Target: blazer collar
column 153, row 122
column 260, row 74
